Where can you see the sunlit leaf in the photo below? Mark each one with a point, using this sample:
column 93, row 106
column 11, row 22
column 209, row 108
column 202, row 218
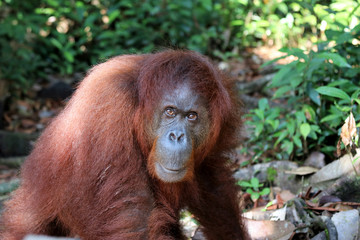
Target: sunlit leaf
column 255, row 182
column 305, row 129
column 265, row 191
column 336, row 58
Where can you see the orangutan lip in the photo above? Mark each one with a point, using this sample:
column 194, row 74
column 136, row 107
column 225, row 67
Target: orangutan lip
column 169, row 170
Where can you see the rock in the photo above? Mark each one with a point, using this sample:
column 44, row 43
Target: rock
column 280, row 230
column 320, row 236
column 336, row 169
column 316, row 160
column 347, row 224
column 282, row 180
column 199, row 235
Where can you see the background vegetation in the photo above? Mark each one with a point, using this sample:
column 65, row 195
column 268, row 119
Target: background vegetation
column 320, row 87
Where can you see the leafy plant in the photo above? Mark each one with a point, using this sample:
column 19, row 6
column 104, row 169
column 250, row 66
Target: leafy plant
column 253, row 188
column 320, row 87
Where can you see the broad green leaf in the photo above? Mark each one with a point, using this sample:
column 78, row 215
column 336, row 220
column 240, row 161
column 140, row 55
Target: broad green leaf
column 274, row 123
column 300, row 117
column 297, row 141
column 336, row 58
column 288, row 146
column 313, row 94
column 328, row 149
column 281, row 137
column 296, row 81
column 244, row 184
column 279, row 78
column 282, row 90
column 265, row 191
column 291, row 126
column 263, row 104
column 259, row 113
column 258, row 129
column 255, row 182
column 330, row 118
column 305, row 129
column 250, row 191
column 333, row 92
column 255, row 196
column 297, row 52
column 344, row 37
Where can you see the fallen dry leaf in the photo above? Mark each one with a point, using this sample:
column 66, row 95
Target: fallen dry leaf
column 348, row 130
column 305, row 170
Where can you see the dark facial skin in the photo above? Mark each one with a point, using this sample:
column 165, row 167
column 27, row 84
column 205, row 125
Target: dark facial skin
column 180, row 125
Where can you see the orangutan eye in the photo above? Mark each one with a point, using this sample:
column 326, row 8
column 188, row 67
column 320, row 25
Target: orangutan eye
column 192, row 116
column 170, row 112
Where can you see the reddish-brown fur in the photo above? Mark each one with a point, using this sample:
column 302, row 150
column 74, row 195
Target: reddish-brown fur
column 88, row 175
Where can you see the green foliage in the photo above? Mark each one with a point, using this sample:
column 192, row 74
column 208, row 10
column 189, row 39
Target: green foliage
column 253, row 188
column 271, row 173
column 63, row 37
column 321, row 87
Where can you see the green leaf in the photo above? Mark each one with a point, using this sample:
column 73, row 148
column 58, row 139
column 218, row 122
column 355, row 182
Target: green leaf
column 333, row 92
column 309, row 112
column 291, row 126
column 355, row 95
column 297, row 141
column 250, row 191
column 259, row 128
column 305, row 129
column 274, row 123
column 343, row 108
column 255, row 182
column 282, row 90
column 296, row 81
column 281, row 77
column 297, row 52
column 336, row 58
column 330, row 118
column 300, row 117
column 69, row 56
column 265, row 191
column 281, row 136
column 56, row 43
column 313, row 94
column 113, row 15
column 263, row 104
column 244, row 184
column 260, row 113
column 255, row 196
column 288, row 146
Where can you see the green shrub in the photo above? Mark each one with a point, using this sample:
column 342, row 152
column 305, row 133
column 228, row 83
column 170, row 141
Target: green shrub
column 320, row 88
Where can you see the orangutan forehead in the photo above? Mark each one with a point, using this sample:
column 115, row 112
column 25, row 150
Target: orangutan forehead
column 183, row 96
